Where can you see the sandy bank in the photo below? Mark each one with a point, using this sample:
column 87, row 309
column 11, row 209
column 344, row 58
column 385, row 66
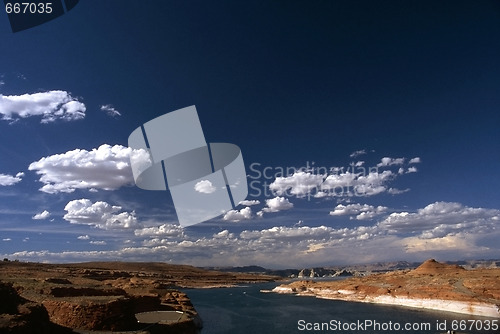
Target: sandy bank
column 472, row 308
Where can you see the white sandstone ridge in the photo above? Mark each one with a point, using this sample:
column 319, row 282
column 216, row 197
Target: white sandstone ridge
column 433, row 285
column 472, row 308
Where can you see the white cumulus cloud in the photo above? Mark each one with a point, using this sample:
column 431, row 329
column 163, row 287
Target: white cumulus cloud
column 298, row 184
column 99, row 214
column 235, row 215
column 163, row 230
column 412, row 170
column 415, row 160
column 277, row 204
column 357, row 184
column 204, row 187
column 42, row 215
column 9, row 180
column 390, row 162
column 441, row 219
column 51, row 106
column 361, row 211
column 340, row 184
column 107, row 167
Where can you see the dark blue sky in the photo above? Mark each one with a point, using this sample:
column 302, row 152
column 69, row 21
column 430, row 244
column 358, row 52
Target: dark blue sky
column 289, row 82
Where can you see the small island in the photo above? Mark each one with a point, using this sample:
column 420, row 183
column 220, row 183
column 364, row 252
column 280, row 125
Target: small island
column 432, row 285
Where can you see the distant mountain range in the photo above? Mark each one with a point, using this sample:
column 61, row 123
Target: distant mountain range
column 351, row 270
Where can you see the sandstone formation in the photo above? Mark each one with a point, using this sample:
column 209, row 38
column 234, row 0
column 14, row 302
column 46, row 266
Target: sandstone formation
column 85, row 297
column 19, row 315
column 432, row 285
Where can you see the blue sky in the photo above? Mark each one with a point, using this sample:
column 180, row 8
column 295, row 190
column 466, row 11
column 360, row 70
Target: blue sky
column 395, row 106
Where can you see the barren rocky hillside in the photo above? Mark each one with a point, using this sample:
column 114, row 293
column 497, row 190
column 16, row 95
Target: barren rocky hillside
column 432, row 285
column 60, row 298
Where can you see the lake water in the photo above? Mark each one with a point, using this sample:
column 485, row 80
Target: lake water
column 245, row 310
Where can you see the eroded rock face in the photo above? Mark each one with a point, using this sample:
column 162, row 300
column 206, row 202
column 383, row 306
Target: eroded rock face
column 112, row 315
column 18, row 315
column 10, row 299
column 99, row 309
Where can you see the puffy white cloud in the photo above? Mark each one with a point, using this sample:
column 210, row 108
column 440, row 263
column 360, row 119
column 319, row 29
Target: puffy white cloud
column 440, row 219
column 390, row 162
column 340, row 184
column 412, row 170
column 277, row 204
column 373, row 183
column 9, row 180
column 110, row 110
column 351, row 184
column 298, row 184
column 235, row 215
column 223, row 235
column 204, row 187
column 249, row 202
column 355, row 180
column 415, row 160
column 282, row 232
column 99, row 214
column 83, row 237
column 51, row 106
column 164, row 230
column 361, row 211
column 42, row 215
column 107, row 167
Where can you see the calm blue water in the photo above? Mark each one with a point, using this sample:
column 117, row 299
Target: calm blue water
column 245, row 310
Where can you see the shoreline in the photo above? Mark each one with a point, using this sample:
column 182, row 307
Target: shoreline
column 463, row 307
column 432, row 285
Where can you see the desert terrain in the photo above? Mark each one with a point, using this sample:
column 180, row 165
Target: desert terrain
column 100, row 297
column 432, row 285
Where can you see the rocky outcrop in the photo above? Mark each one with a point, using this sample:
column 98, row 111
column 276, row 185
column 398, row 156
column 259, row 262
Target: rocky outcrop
column 103, row 296
column 116, row 314
column 432, row 285
column 18, row 315
column 110, row 309
column 432, row 267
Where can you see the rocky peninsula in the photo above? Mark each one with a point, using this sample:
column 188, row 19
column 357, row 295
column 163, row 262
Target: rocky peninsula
column 432, row 285
column 104, row 297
